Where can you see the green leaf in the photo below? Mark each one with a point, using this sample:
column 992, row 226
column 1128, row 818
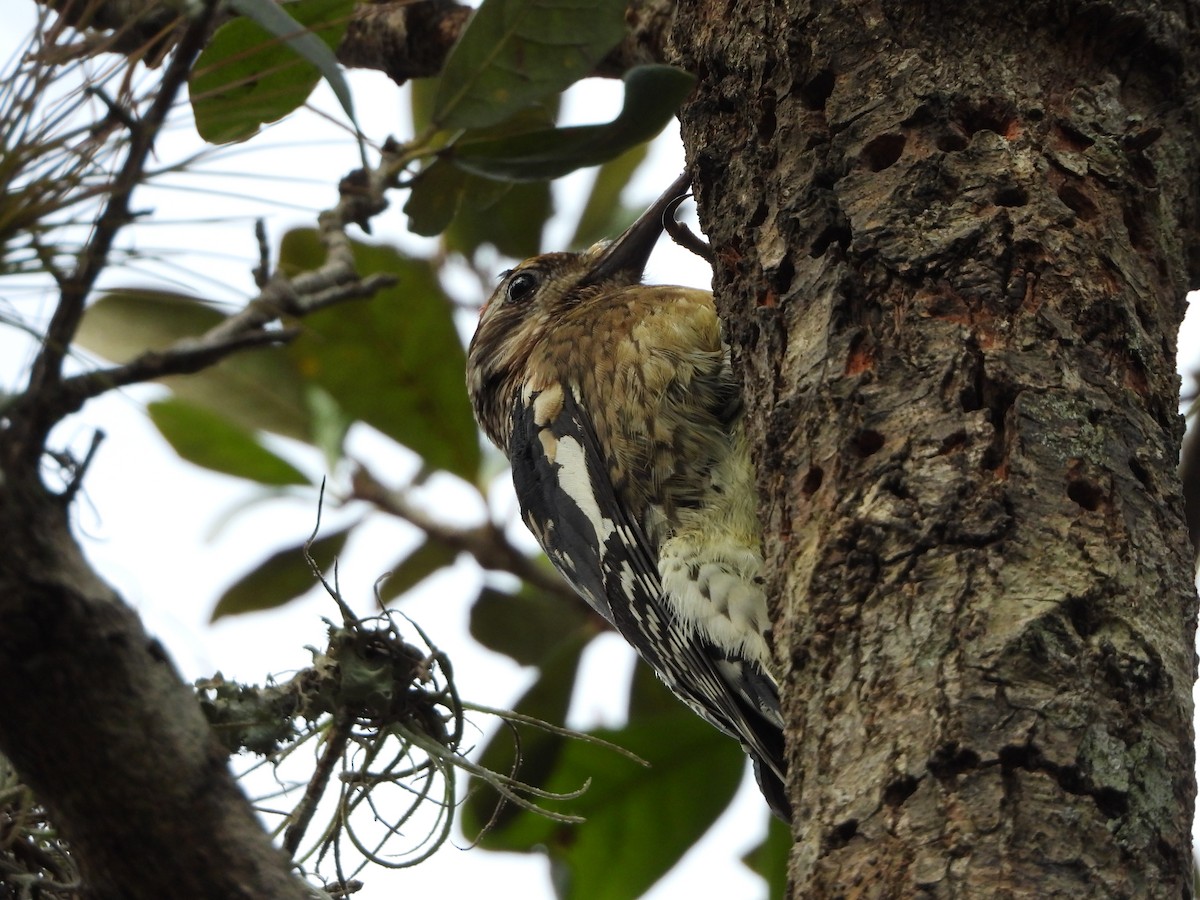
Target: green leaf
column 395, row 361
column 770, row 858
column 212, row 441
column 603, row 216
column 482, row 210
column 531, row 750
column 281, row 578
column 421, row 96
column 256, row 389
column 330, row 424
column 434, row 198
column 648, row 696
column 274, row 19
column 640, row 821
column 515, row 52
column 652, row 95
column 429, row 557
column 511, row 222
column 128, row 321
column 257, row 70
column 530, row 625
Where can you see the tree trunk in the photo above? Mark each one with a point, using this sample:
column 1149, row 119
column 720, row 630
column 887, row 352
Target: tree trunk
column 954, row 242
column 95, row 718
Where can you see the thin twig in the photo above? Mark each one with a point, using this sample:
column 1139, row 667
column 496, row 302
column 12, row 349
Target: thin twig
column 336, row 740
column 182, row 358
column 302, row 295
column 262, row 272
column 299, row 297
column 79, row 470
column 487, row 542
column 47, row 367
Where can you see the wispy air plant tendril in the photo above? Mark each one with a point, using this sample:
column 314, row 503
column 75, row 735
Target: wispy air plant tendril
column 521, row 719
column 390, row 725
column 134, row 132
column 57, row 155
column 116, row 212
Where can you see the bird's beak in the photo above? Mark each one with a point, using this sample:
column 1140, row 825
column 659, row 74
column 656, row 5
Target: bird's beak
column 626, row 257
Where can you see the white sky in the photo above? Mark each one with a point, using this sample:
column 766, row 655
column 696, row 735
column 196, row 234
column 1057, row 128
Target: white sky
column 148, row 520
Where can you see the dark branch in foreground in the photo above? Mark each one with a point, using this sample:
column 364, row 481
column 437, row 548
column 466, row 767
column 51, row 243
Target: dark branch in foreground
column 246, row 330
column 93, row 715
column 401, row 38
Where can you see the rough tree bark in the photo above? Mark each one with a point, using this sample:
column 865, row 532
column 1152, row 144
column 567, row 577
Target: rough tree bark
column 954, row 243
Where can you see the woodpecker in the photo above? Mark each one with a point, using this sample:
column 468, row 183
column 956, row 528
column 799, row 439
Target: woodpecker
column 616, row 404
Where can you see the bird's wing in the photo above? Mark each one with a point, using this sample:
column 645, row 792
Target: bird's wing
column 569, row 503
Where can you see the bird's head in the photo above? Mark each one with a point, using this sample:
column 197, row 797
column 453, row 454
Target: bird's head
column 538, row 293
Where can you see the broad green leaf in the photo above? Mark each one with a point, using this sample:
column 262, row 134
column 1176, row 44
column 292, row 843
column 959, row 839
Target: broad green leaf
column 652, row 95
column 530, row 625
column 276, row 20
column 484, row 193
column 434, row 198
column 515, row 52
column 330, row 423
column 395, row 361
column 247, row 76
column 129, row 321
column 530, row 750
column 421, row 96
column 648, row 697
column 640, row 820
column 770, row 858
column 281, row 578
column 256, row 389
column 511, row 222
column 538, row 114
column 429, row 557
column 212, row 441
column 603, row 216
column 471, row 210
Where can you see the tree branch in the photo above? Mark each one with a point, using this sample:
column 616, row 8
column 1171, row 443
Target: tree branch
column 99, row 724
column 92, row 712
column 404, row 39
column 246, row 330
column 75, row 289
column 487, row 543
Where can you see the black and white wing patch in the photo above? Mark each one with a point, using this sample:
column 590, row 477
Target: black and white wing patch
column 571, row 506
column 568, row 502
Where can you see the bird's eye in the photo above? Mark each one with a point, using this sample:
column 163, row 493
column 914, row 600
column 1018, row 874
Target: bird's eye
column 521, row 286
